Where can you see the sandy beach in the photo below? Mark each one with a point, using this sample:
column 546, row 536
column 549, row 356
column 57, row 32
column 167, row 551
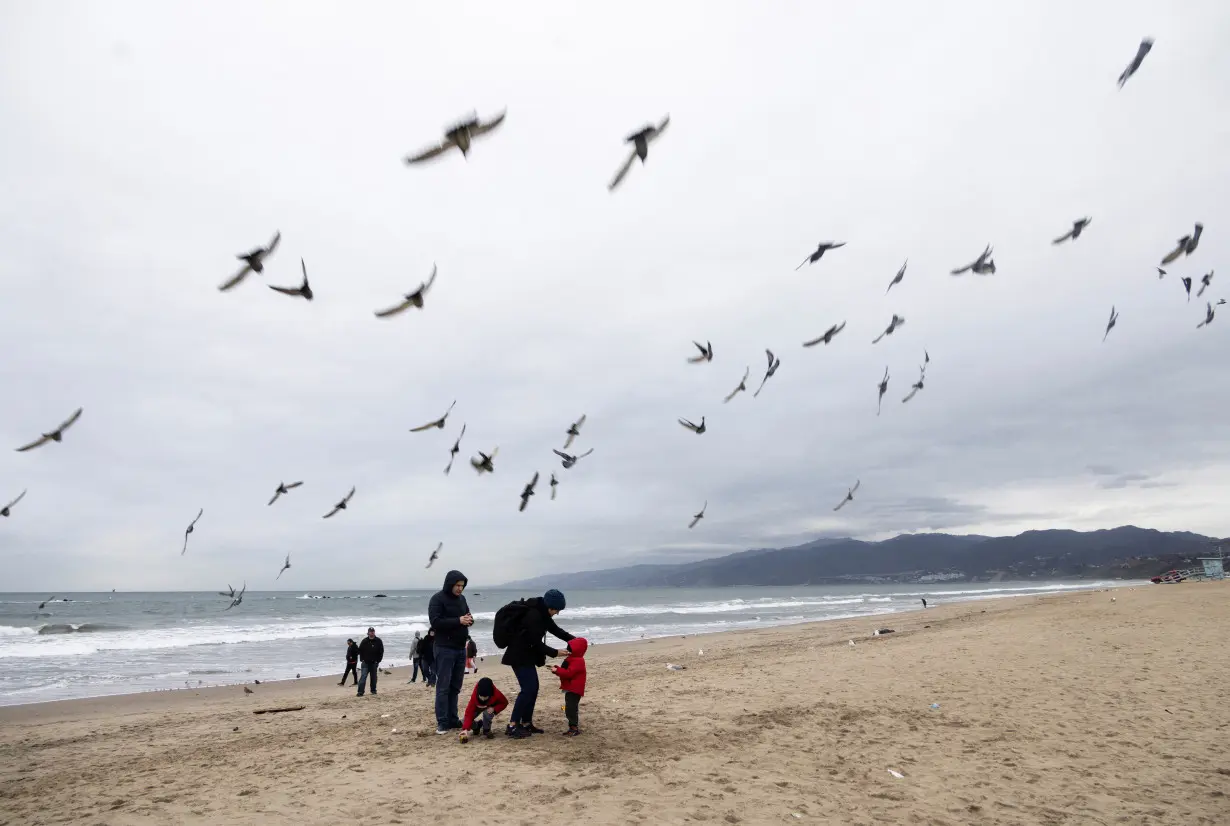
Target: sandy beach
column 1052, row 709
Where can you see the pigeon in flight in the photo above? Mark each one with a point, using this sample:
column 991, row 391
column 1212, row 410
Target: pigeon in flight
column 916, row 386
column 981, row 265
column 528, row 491
column 828, row 335
column 455, row 449
column 1143, row 49
column 1221, row 301
column 229, row 593
column 414, row 299
column 483, row 462
column 285, row 566
column 1208, row 319
column 340, row 506
column 569, row 461
column 56, row 435
column 640, row 148
column 883, row 390
column 896, row 322
column 574, row 430
column 434, row 554
column 1114, row 316
column 190, row 529
column 305, row 290
column 696, row 517
column 1205, row 280
column 554, row 485
column 1185, row 245
column 460, row 136
column 254, row 261
column 706, row 352
column 743, row 385
column 897, row 278
column 238, row 598
column 821, row 249
column 695, row 428
column 8, row 509
column 774, row 363
column 1161, row 273
column 849, row 495
column 1077, row 228
column 1187, row 285
column 437, row 422
column 283, row 488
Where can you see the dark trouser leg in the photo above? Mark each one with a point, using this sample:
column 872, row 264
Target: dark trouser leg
column 374, row 671
column 414, row 674
column 450, row 665
column 350, row 670
column 454, row 690
column 362, row 680
column 523, row 708
column 572, row 708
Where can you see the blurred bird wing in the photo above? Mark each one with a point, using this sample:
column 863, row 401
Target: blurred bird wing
column 67, row 423
column 431, row 279
column 430, row 152
column 273, row 245
column 15, row 501
column 666, row 121
column 286, row 290
column 394, row 310
column 484, row 128
column 40, row 440
column 857, row 482
column 623, row 170
column 423, row 427
column 586, row 453
column 330, row 513
column 350, row 495
column 236, row 278
column 276, row 494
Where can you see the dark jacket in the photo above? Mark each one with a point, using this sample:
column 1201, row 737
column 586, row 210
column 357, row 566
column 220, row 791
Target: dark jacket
column 426, row 649
column 445, row 611
column 528, row 645
column 471, row 648
column 352, row 653
column 571, row 671
column 371, row 650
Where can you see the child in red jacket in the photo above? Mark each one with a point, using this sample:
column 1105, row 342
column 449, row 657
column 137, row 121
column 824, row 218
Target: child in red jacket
column 571, row 673
column 488, row 699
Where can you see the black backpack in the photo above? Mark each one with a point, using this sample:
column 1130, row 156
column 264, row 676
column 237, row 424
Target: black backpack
column 507, row 622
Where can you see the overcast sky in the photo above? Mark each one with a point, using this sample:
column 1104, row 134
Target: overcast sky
column 145, row 145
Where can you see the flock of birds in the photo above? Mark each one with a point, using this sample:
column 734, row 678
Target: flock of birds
column 461, row 137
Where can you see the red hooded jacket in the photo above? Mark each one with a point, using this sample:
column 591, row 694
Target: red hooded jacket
column 571, row 671
column 497, row 703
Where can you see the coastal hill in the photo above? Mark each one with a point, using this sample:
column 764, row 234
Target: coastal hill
column 1126, row 552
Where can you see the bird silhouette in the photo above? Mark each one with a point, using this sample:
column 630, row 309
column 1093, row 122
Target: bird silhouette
column 304, row 290
column 238, row 598
column 696, row 517
column 1208, row 319
column 483, row 463
column 411, row 299
column 254, row 261
column 56, row 435
column 1205, row 280
column 1077, row 228
column 1114, row 316
column 191, row 527
column 883, row 390
column 554, row 485
column 438, row 423
column 461, row 136
column 747, row 371
column 1185, row 245
column 1143, row 49
column 285, row 566
column 821, row 249
column 849, row 495
column 434, row 554
column 528, row 491
column 7, row 510
column 574, row 430
column 896, row 322
column 774, row 363
column 828, row 335
column 916, row 386
column 897, row 278
column 283, row 488
column 455, row 449
column 706, row 352
column 569, row 461
column 695, row 428
column 340, row 506
column 640, row 141
column 1187, row 286
column 982, row 265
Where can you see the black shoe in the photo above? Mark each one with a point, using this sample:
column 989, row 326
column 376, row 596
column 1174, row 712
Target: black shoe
column 487, row 733
column 373, row 692
column 533, row 729
column 572, row 731
column 518, row 733
column 456, row 725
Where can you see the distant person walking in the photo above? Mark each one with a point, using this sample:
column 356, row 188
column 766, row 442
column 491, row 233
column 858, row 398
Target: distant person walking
column 371, row 652
column 352, row 662
column 427, row 652
column 527, row 651
column 471, row 655
column 416, row 658
column 449, row 615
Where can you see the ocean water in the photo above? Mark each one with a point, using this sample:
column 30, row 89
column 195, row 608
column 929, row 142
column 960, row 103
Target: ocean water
column 89, row 645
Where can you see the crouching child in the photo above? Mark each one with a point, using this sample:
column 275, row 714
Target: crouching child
column 571, row 673
column 487, row 699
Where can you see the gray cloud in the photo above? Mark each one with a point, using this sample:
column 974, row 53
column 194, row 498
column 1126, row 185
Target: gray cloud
column 139, row 161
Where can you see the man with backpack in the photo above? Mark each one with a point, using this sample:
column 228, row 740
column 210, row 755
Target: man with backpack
column 521, row 629
column 450, row 618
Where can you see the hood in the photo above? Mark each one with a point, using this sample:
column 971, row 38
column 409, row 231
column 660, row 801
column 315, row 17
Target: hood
column 417, row 636
column 577, row 646
column 451, row 579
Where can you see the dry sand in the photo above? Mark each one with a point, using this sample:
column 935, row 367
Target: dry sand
column 1065, row 709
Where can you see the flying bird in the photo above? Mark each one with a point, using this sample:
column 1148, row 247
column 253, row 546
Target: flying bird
column 460, row 136
column 1221, row 301
column 696, row 517
column 883, row 390
column 640, row 147
column 569, row 461
column 849, row 495
column 283, row 488
column 528, row 491
column 237, row 599
column 926, row 359
column 1161, row 273
column 455, row 449
column 8, row 509
column 828, row 335
column 42, row 604
column 1077, row 228
column 285, row 566
column 435, row 554
column 340, row 506
column 706, row 352
column 437, row 422
column 554, row 485
column 191, row 527
column 412, row 299
column 916, row 386
column 821, row 249
column 56, row 435
column 896, row 322
column 981, row 265
column 897, row 278
column 1205, row 280
column 1187, row 286
column 229, row 593
column 1208, row 319
column 1185, row 245
column 1143, row 49
column 574, row 430
column 695, row 428
column 304, row 290
column 254, row 261
column 774, row 363
column 483, row 462
column 1114, row 316
column 747, row 371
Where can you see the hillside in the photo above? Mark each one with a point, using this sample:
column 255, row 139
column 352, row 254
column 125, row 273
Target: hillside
column 1126, row 552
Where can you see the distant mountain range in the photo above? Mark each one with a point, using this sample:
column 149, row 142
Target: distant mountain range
column 1118, row 553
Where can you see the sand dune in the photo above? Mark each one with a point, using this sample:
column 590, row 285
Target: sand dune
column 1067, row 709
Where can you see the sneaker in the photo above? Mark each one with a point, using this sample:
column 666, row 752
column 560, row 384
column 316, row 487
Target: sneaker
column 360, row 694
column 373, row 692
column 518, row 733
column 533, row 729
column 572, row 732
column 487, row 733
column 442, row 731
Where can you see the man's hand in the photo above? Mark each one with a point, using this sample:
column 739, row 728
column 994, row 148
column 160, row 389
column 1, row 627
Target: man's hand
column 467, row 620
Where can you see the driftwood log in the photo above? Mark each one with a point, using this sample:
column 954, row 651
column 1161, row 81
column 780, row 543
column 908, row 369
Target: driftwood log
column 278, row 710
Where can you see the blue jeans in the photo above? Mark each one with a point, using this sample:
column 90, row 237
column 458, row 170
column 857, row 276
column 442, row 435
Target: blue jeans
column 450, row 666
column 418, row 664
column 368, row 668
column 523, row 708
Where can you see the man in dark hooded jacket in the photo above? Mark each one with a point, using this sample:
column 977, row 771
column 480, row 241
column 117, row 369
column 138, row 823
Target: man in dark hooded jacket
column 449, row 616
column 527, row 652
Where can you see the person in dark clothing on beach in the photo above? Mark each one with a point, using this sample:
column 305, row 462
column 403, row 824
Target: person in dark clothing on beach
column 449, row 615
column 527, row 651
column 427, row 653
column 371, row 652
column 416, row 658
column 352, row 662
